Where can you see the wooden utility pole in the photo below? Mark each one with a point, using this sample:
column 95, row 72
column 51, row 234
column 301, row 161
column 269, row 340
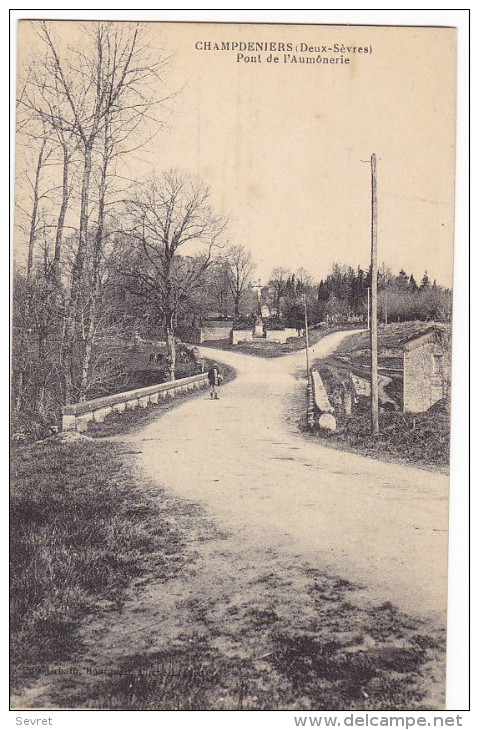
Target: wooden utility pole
column 369, row 309
column 306, row 334
column 374, row 301
column 385, row 285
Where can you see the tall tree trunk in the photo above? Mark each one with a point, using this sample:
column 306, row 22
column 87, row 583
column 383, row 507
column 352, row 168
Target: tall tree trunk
column 61, row 215
column 83, row 233
column 87, row 351
column 67, row 384
column 171, row 344
column 96, row 282
column 56, row 275
column 34, row 217
column 42, row 343
column 73, row 307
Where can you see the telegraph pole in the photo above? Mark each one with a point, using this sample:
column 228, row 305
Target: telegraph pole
column 306, row 334
column 369, row 309
column 374, row 301
column 385, row 285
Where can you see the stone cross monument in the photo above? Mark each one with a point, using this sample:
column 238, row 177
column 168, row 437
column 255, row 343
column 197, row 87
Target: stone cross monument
column 258, row 325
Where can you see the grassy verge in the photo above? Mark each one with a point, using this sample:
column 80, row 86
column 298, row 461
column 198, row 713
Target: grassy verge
column 119, row 423
column 264, row 348
column 81, row 531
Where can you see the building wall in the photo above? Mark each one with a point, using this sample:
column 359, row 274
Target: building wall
column 424, row 376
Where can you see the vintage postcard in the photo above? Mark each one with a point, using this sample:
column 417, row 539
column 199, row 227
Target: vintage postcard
column 231, row 371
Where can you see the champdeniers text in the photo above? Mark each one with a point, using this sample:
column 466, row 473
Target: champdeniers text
column 280, row 47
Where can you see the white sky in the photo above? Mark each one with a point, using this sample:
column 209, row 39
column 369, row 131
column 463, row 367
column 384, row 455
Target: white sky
column 282, row 146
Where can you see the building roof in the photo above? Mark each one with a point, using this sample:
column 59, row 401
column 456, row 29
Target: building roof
column 427, row 335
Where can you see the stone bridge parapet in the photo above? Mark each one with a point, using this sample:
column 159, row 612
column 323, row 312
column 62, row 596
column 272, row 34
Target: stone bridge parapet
column 77, row 415
column 320, row 410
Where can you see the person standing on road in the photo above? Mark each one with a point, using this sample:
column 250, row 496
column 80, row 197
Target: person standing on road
column 214, row 379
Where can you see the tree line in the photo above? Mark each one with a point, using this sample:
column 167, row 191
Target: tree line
column 344, row 293
column 342, row 296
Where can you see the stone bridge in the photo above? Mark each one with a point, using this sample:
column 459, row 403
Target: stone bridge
column 77, row 415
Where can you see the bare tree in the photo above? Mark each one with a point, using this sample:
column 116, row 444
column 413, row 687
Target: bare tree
column 304, row 279
column 175, row 233
column 68, row 146
column 38, row 104
column 279, row 282
column 240, row 267
column 41, row 106
column 99, row 94
column 96, row 259
column 39, row 153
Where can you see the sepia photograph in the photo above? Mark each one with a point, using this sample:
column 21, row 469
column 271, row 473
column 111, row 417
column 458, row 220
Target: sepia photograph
column 231, row 321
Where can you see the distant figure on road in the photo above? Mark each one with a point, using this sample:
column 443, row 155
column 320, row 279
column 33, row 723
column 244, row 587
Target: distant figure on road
column 214, row 379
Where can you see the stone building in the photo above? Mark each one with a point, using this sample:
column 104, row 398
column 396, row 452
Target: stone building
column 427, row 368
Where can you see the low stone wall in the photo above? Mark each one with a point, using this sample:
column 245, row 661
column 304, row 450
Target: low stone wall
column 241, row 336
column 321, row 399
column 310, row 407
column 320, row 410
column 220, row 331
column 77, row 416
column 281, row 335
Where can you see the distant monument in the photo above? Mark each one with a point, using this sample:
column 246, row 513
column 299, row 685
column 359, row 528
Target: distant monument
column 265, row 313
column 258, row 323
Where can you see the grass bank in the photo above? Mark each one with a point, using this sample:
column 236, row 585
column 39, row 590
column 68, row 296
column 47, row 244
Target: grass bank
column 326, row 654
column 346, row 658
column 82, row 530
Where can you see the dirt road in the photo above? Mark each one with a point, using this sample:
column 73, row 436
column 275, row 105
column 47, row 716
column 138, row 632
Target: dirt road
column 381, row 525
column 282, row 592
